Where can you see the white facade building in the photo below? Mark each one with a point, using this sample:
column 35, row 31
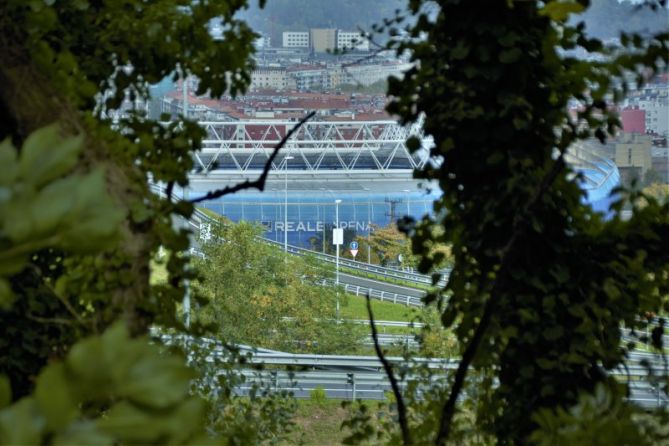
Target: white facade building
column 262, row 42
column 657, row 115
column 369, row 74
column 309, row 78
column 274, row 78
column 296, row 39
column 347, row 40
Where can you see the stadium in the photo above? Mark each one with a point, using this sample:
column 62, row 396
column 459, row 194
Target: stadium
column 358, row 173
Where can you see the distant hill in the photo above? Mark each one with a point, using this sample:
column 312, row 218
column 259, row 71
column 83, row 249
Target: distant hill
column 301, row 15
column 605, row 18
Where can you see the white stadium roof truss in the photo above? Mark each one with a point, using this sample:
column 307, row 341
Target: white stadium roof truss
column 316, row 146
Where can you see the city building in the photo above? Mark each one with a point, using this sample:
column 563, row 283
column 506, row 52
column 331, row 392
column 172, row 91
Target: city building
column 653, row 100
column 262, row 42
column 275, row 78
column 657, row 115
column 633, row 156
column 309, row 77
column 633, row 120
column 352, row 40
column 660, row 159
column 323, row 39
column 296, row 39
column 367, row 74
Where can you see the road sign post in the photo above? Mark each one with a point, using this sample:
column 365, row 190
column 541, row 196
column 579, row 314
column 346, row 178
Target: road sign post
column 337, row 239
column 338, row 236
column 353, row 248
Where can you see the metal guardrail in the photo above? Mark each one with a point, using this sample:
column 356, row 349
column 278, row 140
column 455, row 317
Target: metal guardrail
column 375, row 385
column 351, row 377
column 388, row 340
column 361, row 266
column 401, row 324
column 339, row 385
column 347, row 361
column 384, row 296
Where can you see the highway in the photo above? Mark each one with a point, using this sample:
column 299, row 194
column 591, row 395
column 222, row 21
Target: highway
column 381, row 286
column 362, row 377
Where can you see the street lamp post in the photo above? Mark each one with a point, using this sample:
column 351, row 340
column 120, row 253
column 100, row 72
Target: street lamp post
column 337, row 262
column 324, row 221
column 324, row 218
column 408, row 198
column 369, row 222
column 369, row 229
column 285, row 214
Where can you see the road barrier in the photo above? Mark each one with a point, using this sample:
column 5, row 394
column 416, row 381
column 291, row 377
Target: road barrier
column 351, row 377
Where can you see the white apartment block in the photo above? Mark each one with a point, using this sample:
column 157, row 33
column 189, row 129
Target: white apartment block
column 657, row 115
column 347, row 40
column 296, row 39
column 309, row 78
column 271, row 78
column 262, row 42
column 368, row 74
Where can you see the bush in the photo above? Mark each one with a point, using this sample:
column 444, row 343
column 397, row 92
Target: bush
column 318, row 396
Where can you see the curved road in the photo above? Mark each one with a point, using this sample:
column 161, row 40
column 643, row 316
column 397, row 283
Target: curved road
column 380, row 286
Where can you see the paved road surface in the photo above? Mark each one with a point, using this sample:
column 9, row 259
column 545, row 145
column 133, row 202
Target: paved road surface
column 381, row 286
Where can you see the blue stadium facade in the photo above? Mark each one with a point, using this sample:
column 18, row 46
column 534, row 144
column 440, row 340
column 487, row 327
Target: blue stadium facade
column 365, row 165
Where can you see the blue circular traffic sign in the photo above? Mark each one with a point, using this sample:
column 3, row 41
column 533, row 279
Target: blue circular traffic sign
column 354, row 245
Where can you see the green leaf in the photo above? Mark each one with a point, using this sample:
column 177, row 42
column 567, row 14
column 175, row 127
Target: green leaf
column 45, row 155
column 54, row 398
column 553, row 333
column 8, row 169
column 47, row 212
column 545, row 364
column 21, row 424
column 83, row 433
column 559, row 10
column 510, row 55
column 80, row 208
column 7, row 297
column 5, row 392
column 611, row 289
column 156, row 382
column 131, row 424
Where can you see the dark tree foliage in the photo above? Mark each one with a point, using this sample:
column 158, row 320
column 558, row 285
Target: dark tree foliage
column 74, row 62
column 541, row 284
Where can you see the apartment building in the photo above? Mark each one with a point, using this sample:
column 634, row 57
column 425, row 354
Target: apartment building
column 656, row 115
column 352, row 40
column 309, row 77
column 653, row 100
column 371, row 73
column 274, row 78
column 633, row 156
column 323, row 39
column 296, row 39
